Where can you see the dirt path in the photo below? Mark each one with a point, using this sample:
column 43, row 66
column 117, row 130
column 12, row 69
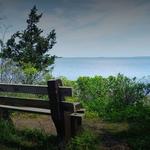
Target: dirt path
column 103, row 130
column 41, row 122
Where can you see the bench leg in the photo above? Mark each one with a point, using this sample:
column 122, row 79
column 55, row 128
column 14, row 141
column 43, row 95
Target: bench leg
column 67, row 124
column 76, row 124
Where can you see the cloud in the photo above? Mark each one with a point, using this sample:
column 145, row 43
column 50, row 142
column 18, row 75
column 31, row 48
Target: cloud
column 110, row 28
column 103, row 24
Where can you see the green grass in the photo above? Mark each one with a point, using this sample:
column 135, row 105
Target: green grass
column 85, row 141
column 137, row 136
column 35, row 139
column 97, row 134
column 133, row 135
column 31, row 139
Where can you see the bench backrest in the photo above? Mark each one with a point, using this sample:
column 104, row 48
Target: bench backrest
column 29, row 89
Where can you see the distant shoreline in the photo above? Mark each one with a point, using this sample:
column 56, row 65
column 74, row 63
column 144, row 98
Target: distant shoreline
column 108, row 57
column 73, row 67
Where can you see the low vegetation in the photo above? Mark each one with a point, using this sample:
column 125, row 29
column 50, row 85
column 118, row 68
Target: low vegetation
column 117, row 100
column 34, row 139
column 31, row 139
column 114, row 98
column 118, row 106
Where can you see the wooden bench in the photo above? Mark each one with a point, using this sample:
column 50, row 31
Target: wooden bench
column 67, row 116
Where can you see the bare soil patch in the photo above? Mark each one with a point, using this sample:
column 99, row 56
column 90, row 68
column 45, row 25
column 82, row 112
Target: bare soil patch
column 42, row 122
column 104, row 132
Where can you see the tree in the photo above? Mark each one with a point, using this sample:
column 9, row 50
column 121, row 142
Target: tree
column 29, row 49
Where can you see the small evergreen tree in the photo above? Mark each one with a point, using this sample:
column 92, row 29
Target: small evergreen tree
column 29, row 49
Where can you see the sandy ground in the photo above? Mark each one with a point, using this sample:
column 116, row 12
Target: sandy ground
column 41, row 122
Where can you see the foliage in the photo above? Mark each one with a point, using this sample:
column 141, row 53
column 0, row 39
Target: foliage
column 29, row 49
column 30, row 73
column 46, row 76
column 127, row 91
column 31, row 139
column 113, row 98
column 92, row 88
column 70, row 83
column 10, row 72
column 137, row 136
column 132, row 113
column 29, row 46
column 119, row 98
column 85, row 141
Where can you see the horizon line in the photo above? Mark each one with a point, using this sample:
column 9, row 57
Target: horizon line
column 101, row 56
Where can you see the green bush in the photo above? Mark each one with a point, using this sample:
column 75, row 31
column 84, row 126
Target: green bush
column 114, row 98
column 92, row 88
column 70, row 83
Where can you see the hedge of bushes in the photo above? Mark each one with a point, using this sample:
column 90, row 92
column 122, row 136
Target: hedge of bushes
column 114, row 98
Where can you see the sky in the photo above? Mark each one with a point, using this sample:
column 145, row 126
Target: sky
column 85, row 28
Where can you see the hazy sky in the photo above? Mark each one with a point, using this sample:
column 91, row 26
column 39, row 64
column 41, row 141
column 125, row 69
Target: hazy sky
column 86, row 27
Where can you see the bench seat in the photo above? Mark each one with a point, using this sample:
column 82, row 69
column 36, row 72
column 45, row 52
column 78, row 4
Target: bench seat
column 27, row 109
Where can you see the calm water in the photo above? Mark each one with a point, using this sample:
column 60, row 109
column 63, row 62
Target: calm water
column 72, row 68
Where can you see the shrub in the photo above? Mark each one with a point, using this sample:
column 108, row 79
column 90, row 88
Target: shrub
column 114, row 98
column 85, row 141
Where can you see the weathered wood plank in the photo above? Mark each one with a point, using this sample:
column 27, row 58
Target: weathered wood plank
column 71, row 106
column 24, row 102
column 76, row 123
column 27, row 109
column 57, row 112
column 32, row 89
column 65, row 91
column 16, row 88
column 77, row 115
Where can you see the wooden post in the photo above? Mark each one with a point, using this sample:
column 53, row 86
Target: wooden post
column 76, row 123
column 65, row 115
column 56, row 108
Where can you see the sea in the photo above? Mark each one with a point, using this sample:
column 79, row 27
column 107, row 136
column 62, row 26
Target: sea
column 74, row 67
